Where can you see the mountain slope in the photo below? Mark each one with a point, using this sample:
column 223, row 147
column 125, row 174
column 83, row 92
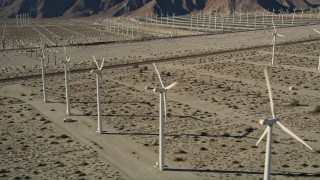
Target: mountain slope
column 79, row 8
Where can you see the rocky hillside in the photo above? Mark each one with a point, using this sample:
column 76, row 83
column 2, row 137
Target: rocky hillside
column 80, row 8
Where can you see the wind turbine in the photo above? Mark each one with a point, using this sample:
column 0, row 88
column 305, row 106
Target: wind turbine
column 233, row 16
column 318, row 69
column 54, row 55
column 17, row 18
column 174, row 17
column 247, row 18
column 268, row 132
column 209, row 23
column 301, row 13
column 272, row 13
column 167, row 17
column 98, row 72
column 240, row 17
column 66, row 76
column 162, row 116
column 293, row 15
column 255, row 20
column 44, row 82
column 310, row 12
column 215, row 20
column 275, row 34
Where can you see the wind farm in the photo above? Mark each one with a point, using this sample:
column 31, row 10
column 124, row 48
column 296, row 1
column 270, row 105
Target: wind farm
column 161, row 96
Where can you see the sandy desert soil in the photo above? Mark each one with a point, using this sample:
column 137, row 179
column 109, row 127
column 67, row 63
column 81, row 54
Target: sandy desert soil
column 33, row 147
column 213, row 112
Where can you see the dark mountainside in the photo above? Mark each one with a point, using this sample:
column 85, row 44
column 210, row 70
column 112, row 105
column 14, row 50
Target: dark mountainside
column 81, row 8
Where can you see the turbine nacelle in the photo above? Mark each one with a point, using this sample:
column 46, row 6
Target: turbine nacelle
column 159, row 89
column 268, row 122
column 97, row 71
column 65, row 61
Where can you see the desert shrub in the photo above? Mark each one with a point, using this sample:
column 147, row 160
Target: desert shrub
column 203, row 149
column 226, row 134
column 145, row 68
column 317, row 109
column 135, row 66
column 249, row 129
column 203, row 134
column 295, row 103
column 181, row 152
column 285, row 166
column 178, row 159
column 258, row 94
column 168, row 74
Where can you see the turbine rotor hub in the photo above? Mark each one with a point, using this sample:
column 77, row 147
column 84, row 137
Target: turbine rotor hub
column 64, row 61
column 159, row 89
column 269, row 122
column 97, row 71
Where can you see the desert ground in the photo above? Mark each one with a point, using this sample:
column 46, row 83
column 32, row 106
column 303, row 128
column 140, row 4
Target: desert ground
column 212, row 114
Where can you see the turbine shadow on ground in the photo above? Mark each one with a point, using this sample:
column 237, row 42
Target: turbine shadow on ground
column 143, row 116
column 177, row 135
column 292, row 174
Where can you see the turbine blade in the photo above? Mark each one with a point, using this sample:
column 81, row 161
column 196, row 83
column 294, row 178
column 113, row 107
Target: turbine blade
column 102, row 64
column 262, row 136
column 270, row 93
column 65, row 52
column 280, row 35
column 274, row 27
column 316, row 31
column 171, row 86
column 95, row 62
column 155, row 67
column 293, row 135
column 165, row 106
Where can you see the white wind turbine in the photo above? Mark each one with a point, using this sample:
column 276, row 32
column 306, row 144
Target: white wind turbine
column 301, row 13
column 275, row 34
column 67, row 75
column 293, row 16
column 98, row 72
column 268, row 132
column 233, row 16
column 318, row 69
column 44, row 82
column 162, row 116
column 54, row 56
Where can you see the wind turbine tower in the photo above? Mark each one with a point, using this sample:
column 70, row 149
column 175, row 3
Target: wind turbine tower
column 268, row 132
column 162, row 116
column 275, row 34
column 318, row 69
column 44, row 82
column 67, row 74
column 98, row 73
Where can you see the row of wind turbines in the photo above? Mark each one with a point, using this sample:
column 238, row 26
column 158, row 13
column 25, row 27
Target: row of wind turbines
column 275, row 35
column 162, row 90
column 22, row 19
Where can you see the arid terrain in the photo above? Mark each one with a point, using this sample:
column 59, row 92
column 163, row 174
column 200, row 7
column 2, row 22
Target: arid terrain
column 212, row 114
